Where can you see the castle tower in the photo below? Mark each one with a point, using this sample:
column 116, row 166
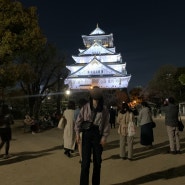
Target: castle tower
column 98, row 64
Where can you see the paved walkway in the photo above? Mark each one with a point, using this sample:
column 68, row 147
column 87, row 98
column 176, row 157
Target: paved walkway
column 39, row 160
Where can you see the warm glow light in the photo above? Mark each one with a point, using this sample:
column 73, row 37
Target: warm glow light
column 68, row 92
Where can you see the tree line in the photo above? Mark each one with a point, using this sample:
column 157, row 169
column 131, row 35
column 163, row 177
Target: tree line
column 27, row 61
column 32, row 68
column 167, row 81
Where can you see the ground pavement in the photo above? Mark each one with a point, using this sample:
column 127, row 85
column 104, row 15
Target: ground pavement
column 39, row 160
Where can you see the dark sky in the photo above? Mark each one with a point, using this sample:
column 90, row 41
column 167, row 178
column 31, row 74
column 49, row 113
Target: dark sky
column 148, row 33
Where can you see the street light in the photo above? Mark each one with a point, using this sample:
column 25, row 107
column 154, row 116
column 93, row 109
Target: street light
column 68, row 92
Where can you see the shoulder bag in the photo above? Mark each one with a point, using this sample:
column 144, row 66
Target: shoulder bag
column 153, row 124
column 62, row 123
column 180, row 125
column 86, row 125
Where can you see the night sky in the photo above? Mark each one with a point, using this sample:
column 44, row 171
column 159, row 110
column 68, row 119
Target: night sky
column 148, row 33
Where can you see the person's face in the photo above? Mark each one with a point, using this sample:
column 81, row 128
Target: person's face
column 95, row 103
column 166, row 102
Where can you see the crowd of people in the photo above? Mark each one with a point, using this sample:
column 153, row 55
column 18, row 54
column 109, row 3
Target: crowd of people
column 44, row 122
column 90, row 140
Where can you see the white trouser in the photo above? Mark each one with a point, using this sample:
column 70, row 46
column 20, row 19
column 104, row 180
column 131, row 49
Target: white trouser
column 174, row 139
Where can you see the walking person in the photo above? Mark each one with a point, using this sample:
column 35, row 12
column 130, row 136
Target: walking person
column 69, row 134
column 125, row 115
column 145, row 121
column 6, row 120
column 171, row 122
column 94, row 138
column 112, row 119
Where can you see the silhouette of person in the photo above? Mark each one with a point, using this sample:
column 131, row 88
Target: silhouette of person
column 112, row 119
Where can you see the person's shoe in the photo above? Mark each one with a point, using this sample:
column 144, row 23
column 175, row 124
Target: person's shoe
column 6, row 156
column 80, row 161
column 124, row 158
column 130, row 159
column 171, row 152
column 149, row 147
column 178, row 152
column 68, row 154
column 33, row 133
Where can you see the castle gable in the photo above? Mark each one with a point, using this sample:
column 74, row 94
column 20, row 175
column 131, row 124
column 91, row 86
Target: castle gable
column 96, row 49
column 95, row 68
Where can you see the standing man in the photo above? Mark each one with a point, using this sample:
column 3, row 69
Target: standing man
column 94, row 138
column 112, row 117
column 171, row 121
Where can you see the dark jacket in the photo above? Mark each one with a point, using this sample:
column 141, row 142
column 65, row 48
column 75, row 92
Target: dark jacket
column 6, row 121
column 171, row 115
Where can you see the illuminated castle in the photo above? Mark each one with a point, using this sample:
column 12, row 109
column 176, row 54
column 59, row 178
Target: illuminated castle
column 98, row 64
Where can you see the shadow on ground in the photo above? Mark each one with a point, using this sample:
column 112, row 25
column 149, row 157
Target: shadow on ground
column 143, row 152
column 166, row 174
column 22, row 156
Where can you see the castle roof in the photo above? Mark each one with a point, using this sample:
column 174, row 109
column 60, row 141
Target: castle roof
column 97, row 64
column 95, row 49
column 94, row 68
column 97, row 31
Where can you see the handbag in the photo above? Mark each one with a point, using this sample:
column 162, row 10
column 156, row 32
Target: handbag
column 87, row 125
column 153, row 124
column 62, row 123
column 180, row 125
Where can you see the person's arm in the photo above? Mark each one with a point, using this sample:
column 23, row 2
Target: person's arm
column 78, row 121
column 139, row 117
column 118, row 118
column 105, row 127
column 80, row 118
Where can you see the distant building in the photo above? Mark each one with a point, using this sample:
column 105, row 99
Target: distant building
column 98, row 64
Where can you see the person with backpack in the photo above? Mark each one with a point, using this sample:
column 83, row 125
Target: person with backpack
column 171, row 111
column 6, row 120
